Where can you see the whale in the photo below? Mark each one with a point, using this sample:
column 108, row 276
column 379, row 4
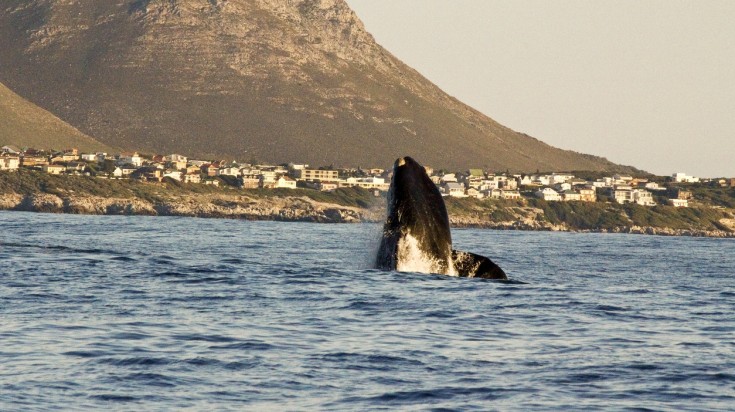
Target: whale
column 416, row 235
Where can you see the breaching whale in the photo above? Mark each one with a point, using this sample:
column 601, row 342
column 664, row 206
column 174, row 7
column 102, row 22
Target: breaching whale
column 416, row 236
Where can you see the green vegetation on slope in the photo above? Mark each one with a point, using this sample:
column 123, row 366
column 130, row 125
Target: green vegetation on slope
column 29, row 182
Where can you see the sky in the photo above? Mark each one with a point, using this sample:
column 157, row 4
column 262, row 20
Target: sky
column 644, row 83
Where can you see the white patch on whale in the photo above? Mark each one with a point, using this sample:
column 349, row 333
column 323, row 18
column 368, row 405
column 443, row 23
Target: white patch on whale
column 412, row 259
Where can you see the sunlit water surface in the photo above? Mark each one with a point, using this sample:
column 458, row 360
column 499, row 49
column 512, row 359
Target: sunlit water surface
column 139, row 313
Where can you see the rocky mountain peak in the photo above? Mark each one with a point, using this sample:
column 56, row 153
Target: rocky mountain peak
column 277, row 80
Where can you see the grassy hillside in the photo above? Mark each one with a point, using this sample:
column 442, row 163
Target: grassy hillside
column 24, row 124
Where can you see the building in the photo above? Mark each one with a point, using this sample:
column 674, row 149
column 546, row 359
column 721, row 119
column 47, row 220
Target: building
column 285, row 182
column 548, row 194
column 453, row 189
column 684, row 178
column 622, row 194
column 10, row 149
column 327, row 186
column 9, row 162
column 510, row 194
column 678, row 202
column 587, row 194
column 192, row 178
column 54, row 169
column 131, row 158
column 250, row 181
column 571, row 196
column 643, row 197
column 366, row 183
column 316, row 174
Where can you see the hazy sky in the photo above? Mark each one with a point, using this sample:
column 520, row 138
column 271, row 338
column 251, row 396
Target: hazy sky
column 645, row 83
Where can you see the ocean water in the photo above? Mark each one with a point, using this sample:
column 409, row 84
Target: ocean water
column 160, row 313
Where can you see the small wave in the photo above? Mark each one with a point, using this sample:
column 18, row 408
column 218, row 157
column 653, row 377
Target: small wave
column 108, row 397
column 205, row 338
column 86, row 353
column 245, row 346
column 135, row 361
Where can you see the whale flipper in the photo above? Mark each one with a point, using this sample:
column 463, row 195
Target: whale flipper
column 475, row 266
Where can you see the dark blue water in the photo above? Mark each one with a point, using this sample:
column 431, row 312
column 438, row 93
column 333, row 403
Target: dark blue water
column 139, row 313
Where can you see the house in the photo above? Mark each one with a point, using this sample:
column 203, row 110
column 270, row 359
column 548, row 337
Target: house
column 229, row 171
column 176, row 161
column 510, row 194
column 54, row 169
column 209, row 169
column 88, row 157
column 9, row 162
column 643, row 197
column 494, row 193
column 365, row 183
column 678, row 202
column 192, row 178
column 449, row 178
column 684, row 178
column 268, row 178
column 548, row 194
column 587, row 194
column 250, row 181
column 173, row 174
column 212, row 182
column 556, row 178
column 76, row 167
column 30, row 161
column 677, row 193
column 149, row 173
column 621, row 194
column 571, row 196
column 563, row 187
column 317, row 174
column 10, row 149
column 472, row 192
column 327, row 186
column 285, row 182
column 653, row 186
column 130, row 158
column 454, row 189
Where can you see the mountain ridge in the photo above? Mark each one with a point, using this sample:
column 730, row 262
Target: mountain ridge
column 273, row 80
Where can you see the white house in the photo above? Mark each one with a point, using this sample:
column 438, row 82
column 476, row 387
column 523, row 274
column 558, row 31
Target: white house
column 548, row 194
column 9, row 162
column 684, row 178
column 622, row 194
column 131, row 158
column 454, row 189
column 285, row 182
column 449, row 178
column 679, row 202
column 643, row 197
column 229, row 171
column 173, row 174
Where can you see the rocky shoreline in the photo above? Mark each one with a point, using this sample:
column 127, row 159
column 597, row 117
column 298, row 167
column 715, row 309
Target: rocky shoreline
column 291, row 209
column 548, row 227
column 297, row 209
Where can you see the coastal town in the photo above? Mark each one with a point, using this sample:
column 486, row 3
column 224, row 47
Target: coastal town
column 472, row 183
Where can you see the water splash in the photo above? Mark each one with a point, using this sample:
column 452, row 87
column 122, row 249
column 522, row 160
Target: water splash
column 411, row 258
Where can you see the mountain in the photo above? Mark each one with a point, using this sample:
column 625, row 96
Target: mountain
column 24, row 124
column 273, row 80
